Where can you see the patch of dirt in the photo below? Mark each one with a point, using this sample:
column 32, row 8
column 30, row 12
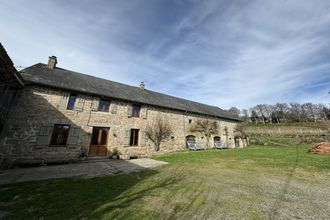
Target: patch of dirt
column 321, row 148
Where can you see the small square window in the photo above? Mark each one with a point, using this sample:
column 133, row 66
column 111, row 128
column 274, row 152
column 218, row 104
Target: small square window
column 72, row 101
column 60, row 135
column 190, row 121
column 136, row 111
column 104, row 105
column 134, row 140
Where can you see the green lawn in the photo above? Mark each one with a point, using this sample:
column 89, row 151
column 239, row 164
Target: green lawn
column 257, row 182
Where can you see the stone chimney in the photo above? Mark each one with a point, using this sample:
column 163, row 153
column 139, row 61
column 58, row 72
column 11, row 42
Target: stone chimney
column 52, row 61
column 142, row 85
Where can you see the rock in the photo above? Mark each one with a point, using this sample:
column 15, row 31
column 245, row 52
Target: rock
column 321, row 148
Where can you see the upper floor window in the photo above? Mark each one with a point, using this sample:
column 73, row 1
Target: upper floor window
column 60, row 135
column 72, row 101
column 104, row 105
column 136, row 111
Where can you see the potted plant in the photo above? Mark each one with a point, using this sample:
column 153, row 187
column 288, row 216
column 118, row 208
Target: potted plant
column 115, row 153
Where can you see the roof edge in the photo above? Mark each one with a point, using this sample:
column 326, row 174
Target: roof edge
column 132, row 101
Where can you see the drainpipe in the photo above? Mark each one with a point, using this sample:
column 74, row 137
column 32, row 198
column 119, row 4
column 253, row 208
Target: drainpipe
column 184, row 127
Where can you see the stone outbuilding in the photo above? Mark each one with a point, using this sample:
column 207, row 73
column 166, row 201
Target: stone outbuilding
column 61, row 115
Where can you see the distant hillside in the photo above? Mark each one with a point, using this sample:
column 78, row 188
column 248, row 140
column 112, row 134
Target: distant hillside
column 289, row 133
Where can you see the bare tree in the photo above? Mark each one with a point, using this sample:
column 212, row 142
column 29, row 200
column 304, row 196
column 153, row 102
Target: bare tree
column 260, row 110
column 234, row 111
column 241, row 131
column 158, row 132
column 268, row 109
column 206, row 127
column 254, row 115
column 309, row 108
column 295, row 112
column 292, row 112
column 245, row 113
column 322, row 111
column 304, row 112
column 226, row 134
column 281, row 111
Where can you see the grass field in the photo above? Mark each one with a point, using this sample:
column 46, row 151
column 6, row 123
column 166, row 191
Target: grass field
column 257, row 182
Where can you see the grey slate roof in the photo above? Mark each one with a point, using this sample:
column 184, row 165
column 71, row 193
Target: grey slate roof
column 8, row 73
column 69, row 80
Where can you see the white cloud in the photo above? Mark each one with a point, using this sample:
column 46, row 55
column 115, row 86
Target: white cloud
column 226, row 54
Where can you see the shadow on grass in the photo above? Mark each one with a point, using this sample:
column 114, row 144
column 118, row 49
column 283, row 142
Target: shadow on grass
column 282, row 193
column 126, row 205
column 77, row 198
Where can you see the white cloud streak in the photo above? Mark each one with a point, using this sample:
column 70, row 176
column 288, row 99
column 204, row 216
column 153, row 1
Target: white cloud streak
column 229, row 53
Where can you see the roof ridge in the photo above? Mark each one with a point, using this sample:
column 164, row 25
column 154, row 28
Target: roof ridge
column 135, row 87
column 76, row 81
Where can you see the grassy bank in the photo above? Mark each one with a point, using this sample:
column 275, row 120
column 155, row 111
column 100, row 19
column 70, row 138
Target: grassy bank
column 254, row 183
column 289, row 133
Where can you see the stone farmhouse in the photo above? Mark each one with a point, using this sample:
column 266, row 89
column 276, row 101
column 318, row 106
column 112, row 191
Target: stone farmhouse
column 10, row 84
column 62, row 116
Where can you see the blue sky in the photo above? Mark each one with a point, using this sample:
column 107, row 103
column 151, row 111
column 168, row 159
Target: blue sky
column 223, row 53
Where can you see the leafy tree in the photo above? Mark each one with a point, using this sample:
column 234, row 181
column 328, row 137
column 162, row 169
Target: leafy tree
column 158, row 132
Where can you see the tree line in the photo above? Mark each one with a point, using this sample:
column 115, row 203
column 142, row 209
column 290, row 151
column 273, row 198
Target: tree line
column 283, row 113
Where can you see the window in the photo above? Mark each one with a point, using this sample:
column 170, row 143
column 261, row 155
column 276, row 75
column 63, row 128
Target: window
column 104, row 105
column 71, row 102
column 190, row 121
column 136, row 111
column 217, row 141
column 60, row 135
column 134, row 141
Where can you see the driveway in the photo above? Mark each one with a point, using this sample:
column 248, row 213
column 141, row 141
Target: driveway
column 87, row 170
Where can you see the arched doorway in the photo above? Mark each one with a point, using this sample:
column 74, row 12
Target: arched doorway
column 190, row 141
column 237, row 142
column 217, row 141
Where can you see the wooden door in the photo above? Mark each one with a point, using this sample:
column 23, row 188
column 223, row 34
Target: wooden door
column 99, row 141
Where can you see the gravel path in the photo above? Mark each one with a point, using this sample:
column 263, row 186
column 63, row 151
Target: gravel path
column 91, row 169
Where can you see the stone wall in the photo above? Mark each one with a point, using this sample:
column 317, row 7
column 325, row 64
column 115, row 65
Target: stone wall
column 38, row 107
